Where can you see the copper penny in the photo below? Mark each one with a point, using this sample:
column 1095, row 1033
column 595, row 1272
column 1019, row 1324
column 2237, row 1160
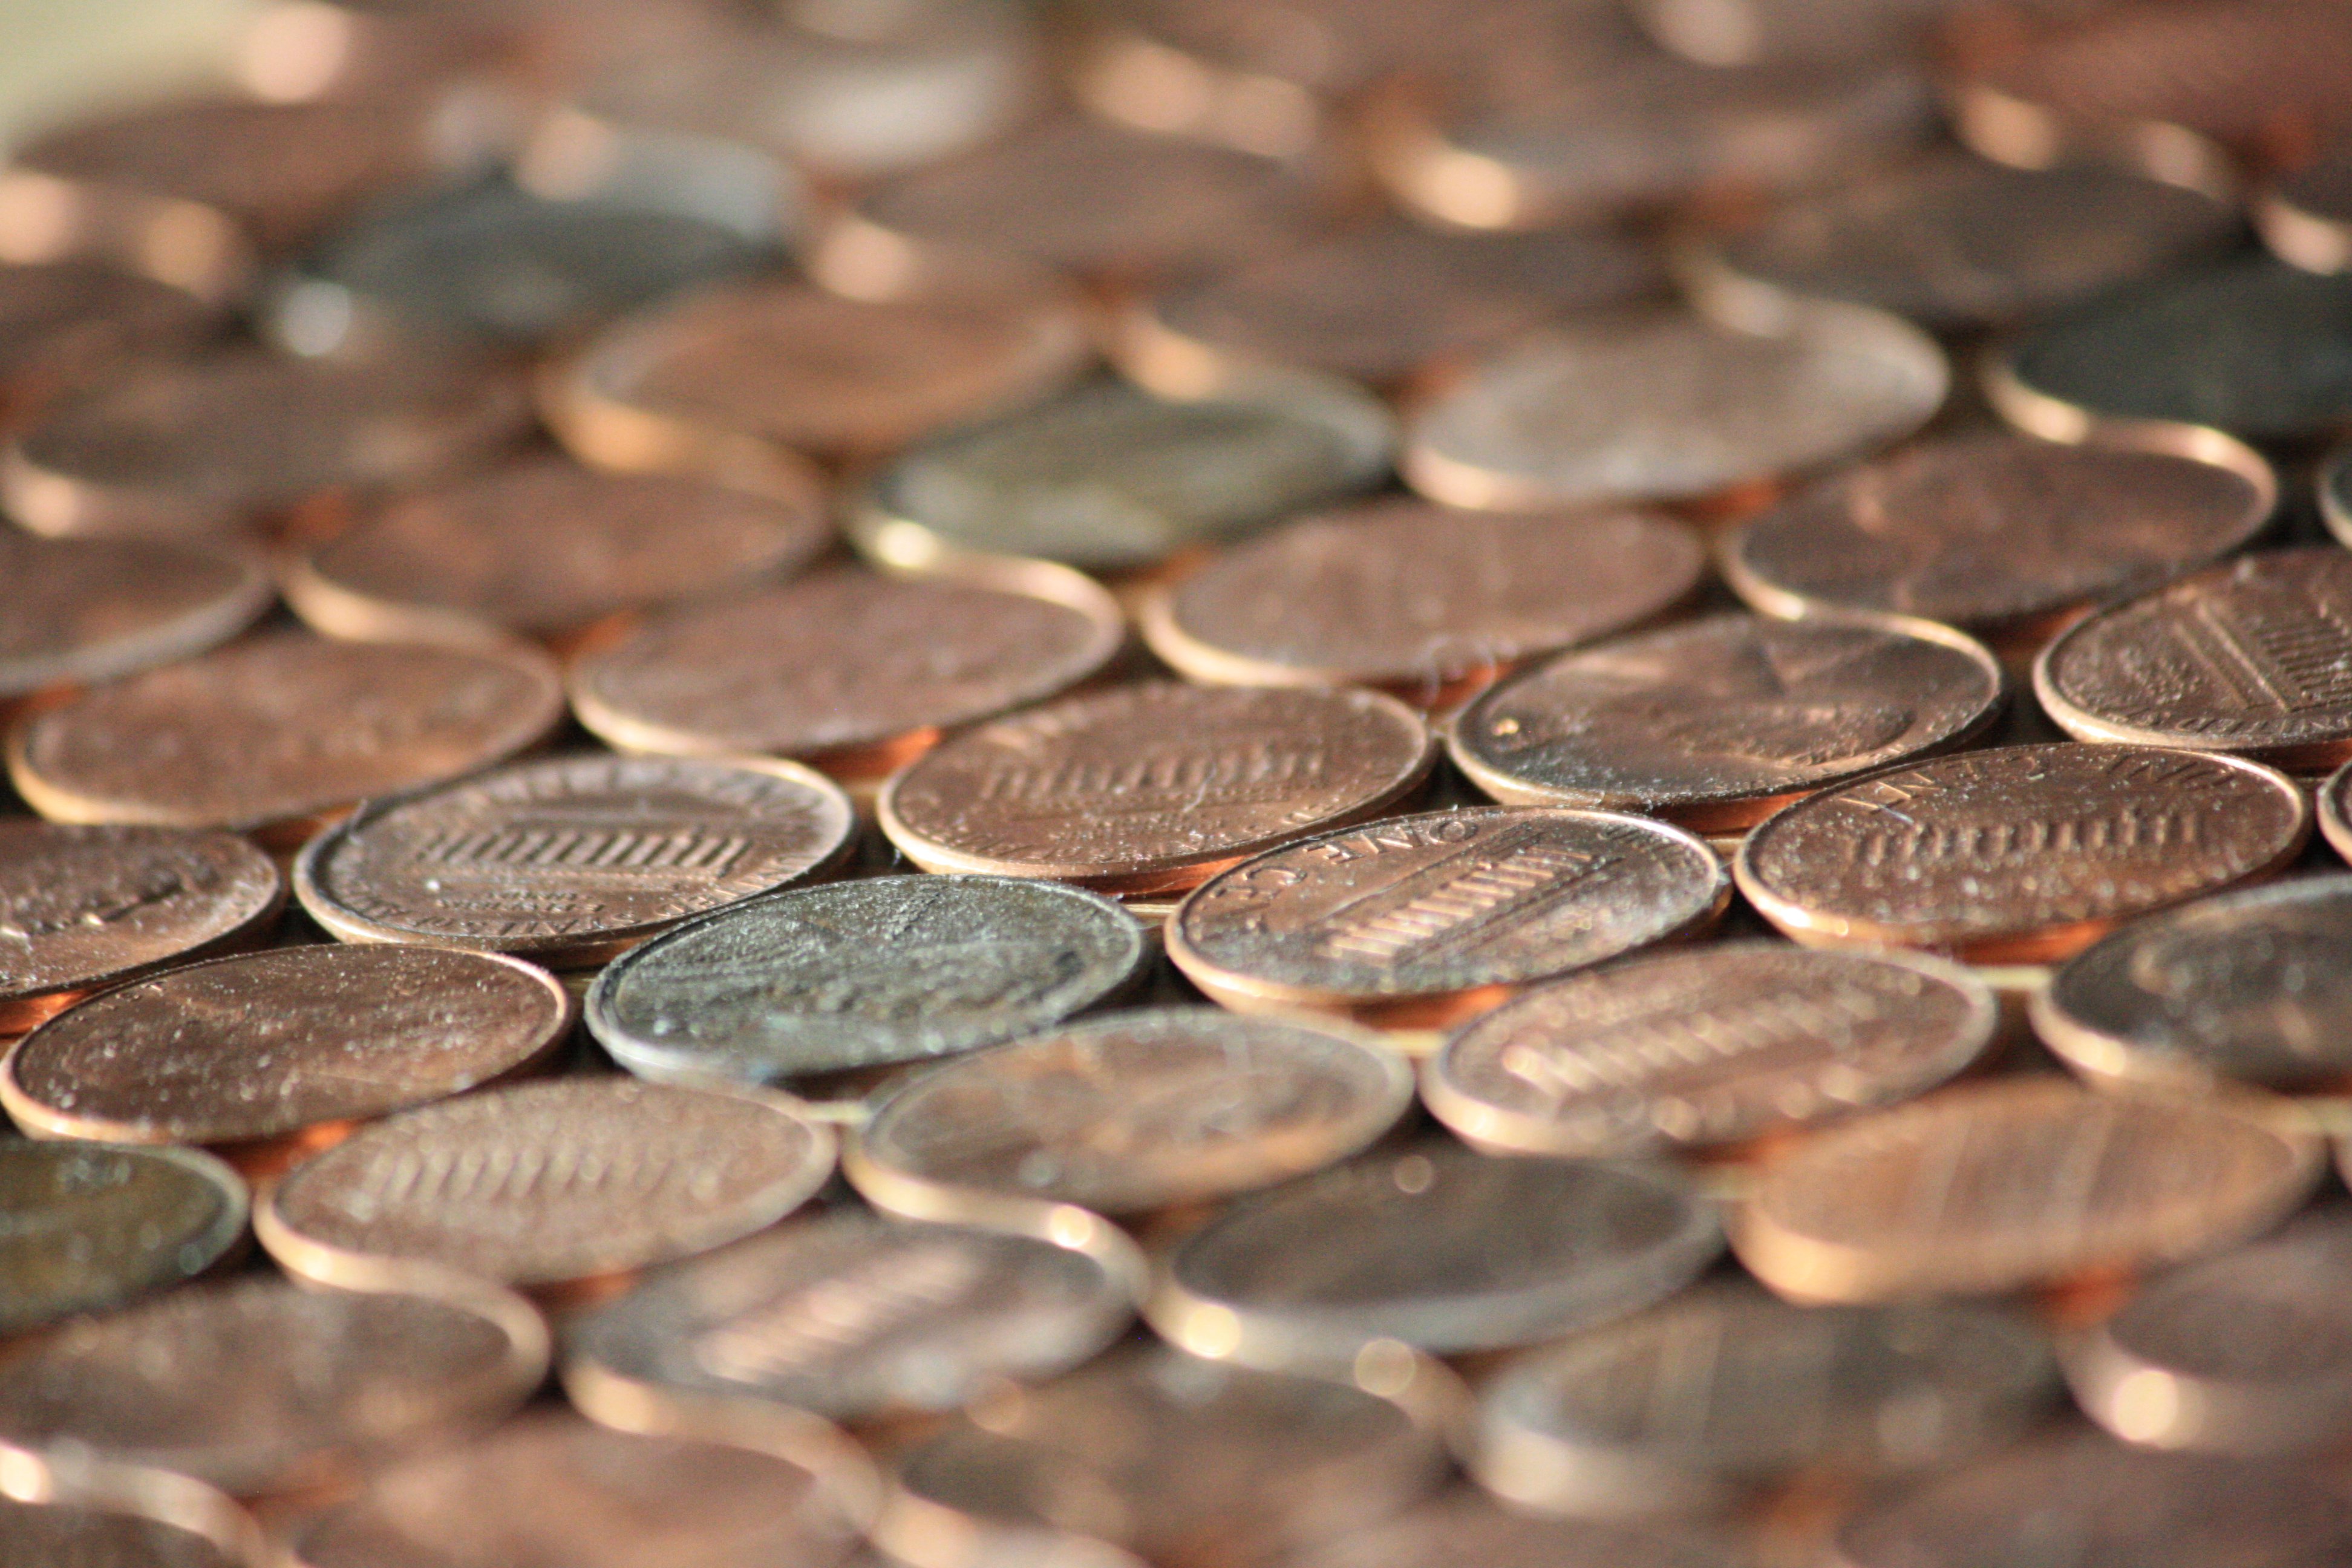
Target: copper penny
column 2305, row 216
column 1416, row 598
column 91, row 1228
column 1999, row 1185
column 65, row 1508
column 1464, row 1529
column 1424, row 917
column 1128, row 1113
column 1154, row 787
column 1715, row 723
column 82, row 610
column 266, row 1045
column 278, row 730
column 545, row 1184
column 2021, row 854
column 66, row 322
column 1710, row 1046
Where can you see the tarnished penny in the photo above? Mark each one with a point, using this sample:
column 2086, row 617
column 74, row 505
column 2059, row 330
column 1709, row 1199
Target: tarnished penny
column 270, row 1043
column 89, row 1228
column 1426, row 918
column 862, row 972
column 1128, row 1113
column 2021, row 853
column 65, row 1508
column 1997, row 1185
column 545, row 1184
column 278, row 730
column 68, row 321
column 2305, row 216
column 1665, row 405
column 1416, row 598
column 1440, row 1248
column 83, row 610
column 1464, row 1529
column 1708, row 1047
column 1715, row 723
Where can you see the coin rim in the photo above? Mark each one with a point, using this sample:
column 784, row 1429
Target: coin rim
column 218, row 1240
column 74, row 1479
column 184, row 635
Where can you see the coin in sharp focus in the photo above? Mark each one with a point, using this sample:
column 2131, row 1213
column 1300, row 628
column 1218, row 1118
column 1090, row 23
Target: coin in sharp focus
column 860, row 973
column 1464, row 1529
column 1995, row 1187
column 1154, row 787
column 1710, row 1046
column 65, row 1508
column 1716, row 723
column 1667, row 406
column 1129, row 1113
column 2305, row 216
column 278, row 730
column 90, row 1229
column 84, row 610
column 1698, row 1404
column 2018, row 854
column 1110, row 478
column 545, row 1184
column 66, row 322
column 1425, row 918
column 1750, row 32
column 2004, row 536
column 1416, row 598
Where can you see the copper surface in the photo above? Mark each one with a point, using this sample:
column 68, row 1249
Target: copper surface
column 83, row 610
column 67, row 322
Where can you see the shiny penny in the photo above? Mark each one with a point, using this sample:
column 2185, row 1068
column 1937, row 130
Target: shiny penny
column 69, row 321
column 72, row 1510
column 2305, row 216
column 84, row 610
column 91, row 1228
column 1464, row 1529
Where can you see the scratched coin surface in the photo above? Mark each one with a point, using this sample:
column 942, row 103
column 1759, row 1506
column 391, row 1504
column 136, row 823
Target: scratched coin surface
column 83, row 610
column 86, row 1228
column 280, row 729
column 2020, row 854
column 860, row 973
column 545, row 1182
column 71, row 320
column 265, row 1045
column 1128, row 1113
column 1464, row 1529
column 575, row 859
column 1154, row 786
column 1708, row 1047
column 1999, row 1185
column 1716, row 723
column 1445, row 909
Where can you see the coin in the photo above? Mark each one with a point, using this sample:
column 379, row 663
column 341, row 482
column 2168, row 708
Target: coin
column 1424, row 917
column 1416, row 598
column 2335, row 811
column 1463, row 1529
column 65, row 323
column 855, row 671
column 2020, row 854
column 1746, row 32
column 89, row 1228
column 544, row 1184
column 300, row 51
column 1440, row 1248
column 1710, row 1046
column 83, row 610
column 2006, row 1183
column 860, row 973
column 1154, row 787
column 1716, row 723
column 1128, row 1113
column 2305, row 216
column 2336, row 493
column 280, row 729
column 1664, row 407
column 64, row 1508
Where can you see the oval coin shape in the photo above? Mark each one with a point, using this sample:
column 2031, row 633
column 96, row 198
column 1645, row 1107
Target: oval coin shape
column 86, row 610
column 91, row 1227
column 66, row 1508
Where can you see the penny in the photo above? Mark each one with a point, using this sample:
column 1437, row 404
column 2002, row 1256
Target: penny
column 544, row 1184
column 302, row 51
column 1154, row 787
column 1464, row 1530
column 1416, row 598
column 67, row 1509
column 862, row 972
column 66, row 322
column 1694, row 1405
column 2335, row 811
column 2305, row 216
column 1108, row 479
column 1666, row 406
column 88, row 1229
column 84, row 610
column 278, row 730
column 1424, row 917
column 1132, row 1112
column 257, row 1387
column 1705, row 1047
column 1716, row 723
column 2021, row 853
column 266, row 1045
column 852, row 670
column 1747, row 32
column 2002, row 1184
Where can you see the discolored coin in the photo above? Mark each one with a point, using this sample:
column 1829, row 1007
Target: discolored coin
column 278, row 730
column 65, row 323
column 82, row 610
column 862, row 972
column 1154, row 787
column 66, row 1508
column 1663, row 405
column 545, row 1184
column 1131, row 1112
column 2305, row 216
column 1710, row 1046
column 269, row 1044
column 1426, row 918
column 1716, row 723
column 2020, row 854
column 1463, row 1529
column 1416, row 598
column 2003, row 1184
column 88, row 1229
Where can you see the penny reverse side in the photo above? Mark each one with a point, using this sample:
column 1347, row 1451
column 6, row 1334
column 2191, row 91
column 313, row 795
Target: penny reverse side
column 84, row 610
column 89, row 1228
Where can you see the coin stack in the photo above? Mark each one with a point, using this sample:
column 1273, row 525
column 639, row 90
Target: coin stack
column 1184, row 784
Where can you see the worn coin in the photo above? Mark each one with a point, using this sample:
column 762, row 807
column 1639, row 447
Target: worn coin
column 88, row 1228
column 1708, row 1047
column 2305, row 216
column 67, row 1508
column 70, row 321
column 1464, row 1529
column 83, row 610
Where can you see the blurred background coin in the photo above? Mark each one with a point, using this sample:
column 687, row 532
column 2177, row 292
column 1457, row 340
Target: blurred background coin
column 2305, row 216
column 1742, row 32
column 93, row 1228
column 71, row 320
column 1465, row 1526
column 84, row 610
column 63, row 1506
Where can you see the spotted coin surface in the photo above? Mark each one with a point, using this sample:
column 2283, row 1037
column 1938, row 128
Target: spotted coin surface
column 83, row 610
column 90, row 1229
